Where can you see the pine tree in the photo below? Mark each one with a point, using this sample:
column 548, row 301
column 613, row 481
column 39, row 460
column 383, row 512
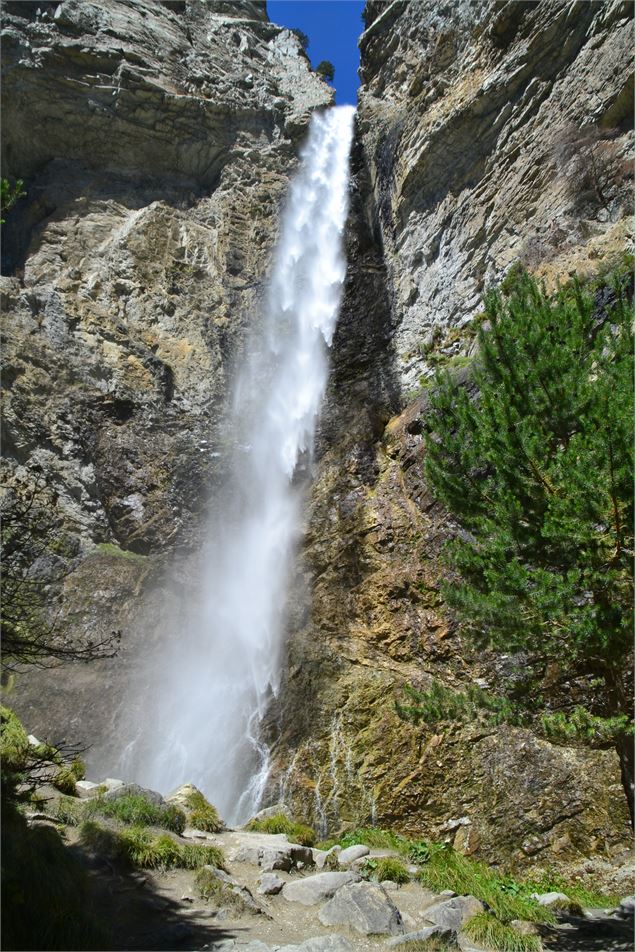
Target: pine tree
column 537, row 471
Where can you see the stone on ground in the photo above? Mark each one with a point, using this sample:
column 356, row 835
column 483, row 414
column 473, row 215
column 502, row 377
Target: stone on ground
column 454, row 913
column 349, row 855
column 86, row 789
column 627, row 907
column 550, row 898
column 322, row 857
column 270, row 884
column 317, row 888
column 276, row 810
column 364, row 907
column 421, row 935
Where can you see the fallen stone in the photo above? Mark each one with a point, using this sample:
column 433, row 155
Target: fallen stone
column 421, row 935
column 86, row 789
column 270, row 851
column 33, row 741
column 317, row 888
column 364, row 907
column 322, row 857
column 448, row 892
column 454, row 913
column 111, row 783
column 389, row 886
column 190, row 833
column 550, row 898
column 351, row 854
column 626, row 909
column 270, row 885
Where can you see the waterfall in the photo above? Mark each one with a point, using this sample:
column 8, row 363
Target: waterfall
column 222, row 669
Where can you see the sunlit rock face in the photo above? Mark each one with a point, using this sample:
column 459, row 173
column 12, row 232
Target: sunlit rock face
column 156, row 142
column 467, row 159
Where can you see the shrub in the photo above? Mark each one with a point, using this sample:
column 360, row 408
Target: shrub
column 203, row 815
column 143, row 848
column 485, row 929
column 213, row 889
column 295, row 832
column 44, row 890
column 386, row 868
column 64, row 781
column 507, row 899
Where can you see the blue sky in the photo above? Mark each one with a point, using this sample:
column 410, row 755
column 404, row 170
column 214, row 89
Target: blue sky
column 333, row 28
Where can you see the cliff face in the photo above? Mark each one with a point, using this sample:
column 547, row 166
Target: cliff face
column 156, row 141
column 477, row 126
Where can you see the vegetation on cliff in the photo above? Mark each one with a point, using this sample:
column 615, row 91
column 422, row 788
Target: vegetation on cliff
column 537, row 471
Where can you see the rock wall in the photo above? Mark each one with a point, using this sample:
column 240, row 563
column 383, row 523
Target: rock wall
column 156, row 141
column 476, row 125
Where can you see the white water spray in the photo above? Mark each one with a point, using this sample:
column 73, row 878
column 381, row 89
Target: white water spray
column 224, row 668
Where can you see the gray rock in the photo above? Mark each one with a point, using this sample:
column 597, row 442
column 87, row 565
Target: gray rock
column 627, row 908
column 364, row 907
column 351, row 854
column 270, row 885
column 134, row 790
column 550, row 898
column 321, row 856
column 111, row 783
column 421, row 935
column 317, row 888
column 454, row 913
column 86, row 789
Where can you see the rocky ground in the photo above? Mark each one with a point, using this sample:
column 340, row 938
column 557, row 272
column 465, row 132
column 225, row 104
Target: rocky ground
column 276, row 894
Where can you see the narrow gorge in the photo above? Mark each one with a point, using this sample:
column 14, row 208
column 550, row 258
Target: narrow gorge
column 225, row 303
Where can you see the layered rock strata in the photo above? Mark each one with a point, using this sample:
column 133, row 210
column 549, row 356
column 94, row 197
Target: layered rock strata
column 478, row 123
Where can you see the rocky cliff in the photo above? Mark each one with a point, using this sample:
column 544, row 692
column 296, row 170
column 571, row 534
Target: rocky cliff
column 488, row 133
column 156, row 141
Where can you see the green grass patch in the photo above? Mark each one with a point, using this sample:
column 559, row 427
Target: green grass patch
column 143, row 848
column 370, row 836
column 45, row 891
column 108, row 548
column 203, row 816
column 434, row 944
column 387, row 867
column 508, row 899
column 131, row 809
column 487, row 930
column 295, row 832
column 578, row 893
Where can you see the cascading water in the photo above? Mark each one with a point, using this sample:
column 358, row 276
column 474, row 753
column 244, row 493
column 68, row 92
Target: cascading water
column 223, row 669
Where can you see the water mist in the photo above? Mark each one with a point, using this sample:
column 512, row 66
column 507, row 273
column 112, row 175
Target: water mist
column 221, row 669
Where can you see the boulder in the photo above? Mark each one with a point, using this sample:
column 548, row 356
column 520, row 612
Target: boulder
column 317, row 888
column 111, row 783
column 134, row 790
column 322, row 857
column 626, row 908
column 365, row 907
column 454, row 913
column 270, row 851
column 550, row 898
column 270, row 885
column 348, row 856
column 421, row 935
column 86, row 789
